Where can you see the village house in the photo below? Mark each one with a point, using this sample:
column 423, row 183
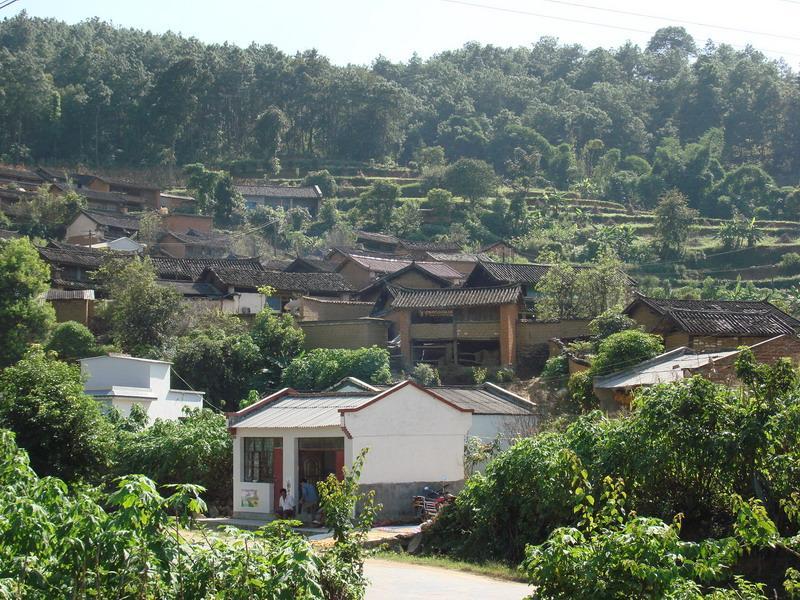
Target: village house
column 194, row 244
column 363, row 269
column 113, row 202
column 71, row 305
column 463, row 262
column 279, row 196
column 710, row 325
column 123, row 244
column 287, row 286
column 616, row 390
column 90, row 227
column 308, row 264
column 414, row 437
column 120, row 382
column 71, row 266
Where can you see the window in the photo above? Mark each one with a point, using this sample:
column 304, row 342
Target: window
column 257, row 464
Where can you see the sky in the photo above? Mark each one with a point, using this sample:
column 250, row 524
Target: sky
column 357, row 31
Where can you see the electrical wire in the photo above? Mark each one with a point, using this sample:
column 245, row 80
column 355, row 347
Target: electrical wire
column 7, row 4
column 588, row 22
column 672, row 20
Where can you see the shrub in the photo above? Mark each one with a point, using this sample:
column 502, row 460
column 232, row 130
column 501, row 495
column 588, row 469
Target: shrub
column 581, row 390
column 324, row 180
column 63, row 430
column 556, row 371
column 789, row 263
column 197, row 449
column 72, row 340
column 504, row 375
column 624, row 349
column 320, row 368
column 610, row 322
column 425, row 375
column 479, row 375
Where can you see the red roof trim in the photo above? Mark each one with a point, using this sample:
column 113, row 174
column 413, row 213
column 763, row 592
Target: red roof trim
column 398, row 387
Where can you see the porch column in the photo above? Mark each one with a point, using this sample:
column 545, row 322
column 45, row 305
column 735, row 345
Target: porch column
column 289, row 466
column 402, row 321
column 508, row 334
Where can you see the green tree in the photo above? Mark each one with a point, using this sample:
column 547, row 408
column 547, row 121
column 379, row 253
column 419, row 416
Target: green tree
column 672, row 224
column 470, row 178
column 279, row 340
column 23, row 318
column 198, row 448
column 268, row 131
column 63, row 430
column 223, row 363
column 624, row 349
column 440, row 202
column 378, row 203
column 320, row 368
column 407, row 219
column 324, row 181
column 71, row 341
column 143, row 315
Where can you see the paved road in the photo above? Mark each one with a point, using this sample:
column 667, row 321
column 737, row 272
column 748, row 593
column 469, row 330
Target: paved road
column 396, row 581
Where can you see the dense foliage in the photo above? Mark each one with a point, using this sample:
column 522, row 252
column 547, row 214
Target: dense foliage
column 72, row 340
column 196, row 449
column 688, row 448
column 63, row 430
column 60, row 544
column 23, row 318
column 320, row 368
column 633, row 121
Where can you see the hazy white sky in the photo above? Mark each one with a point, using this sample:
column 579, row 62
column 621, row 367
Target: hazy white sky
column 356, row 31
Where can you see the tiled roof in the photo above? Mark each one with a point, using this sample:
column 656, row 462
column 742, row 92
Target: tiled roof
column 709, row 309
column 459, row 257
column 23, row 174
column 5, row 234
column 283, row 281
column 91, row 194
column 728, row 323
column 279, row 191
column 431, row 246
column 454, row 297
column 122, row 183
column 276, row 264
column 67, row 254
column 309, row 262
column 199, row 238
column 52, row 294
column 125, row 222
column 192, row 288
column 530, row 273
column 390, row 265
column 69, row 284
column 191, row 268
column 381, row 238
column 389, row 277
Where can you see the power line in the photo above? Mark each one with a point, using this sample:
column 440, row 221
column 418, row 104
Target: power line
column 586, row 22
column 7, row 3
column 682, row 21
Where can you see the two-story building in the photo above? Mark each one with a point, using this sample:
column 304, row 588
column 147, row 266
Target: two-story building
column 121, row 381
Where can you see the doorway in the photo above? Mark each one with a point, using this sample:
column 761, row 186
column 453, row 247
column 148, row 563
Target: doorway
column 319, row 457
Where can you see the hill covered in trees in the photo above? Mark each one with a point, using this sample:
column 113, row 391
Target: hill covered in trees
column 102, row 95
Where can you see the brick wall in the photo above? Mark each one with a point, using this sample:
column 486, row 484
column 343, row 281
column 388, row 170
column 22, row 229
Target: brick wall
column 723, row 370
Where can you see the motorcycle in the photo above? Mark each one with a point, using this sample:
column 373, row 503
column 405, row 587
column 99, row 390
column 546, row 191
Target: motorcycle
column 428, row 504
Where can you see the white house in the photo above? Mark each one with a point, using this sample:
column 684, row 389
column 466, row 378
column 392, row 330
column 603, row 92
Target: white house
column 123, row 244
column 121, row 381
column 415, row 437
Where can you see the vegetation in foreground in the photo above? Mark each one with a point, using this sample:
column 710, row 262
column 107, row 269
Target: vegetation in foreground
column 696, row 489
column 60, row 542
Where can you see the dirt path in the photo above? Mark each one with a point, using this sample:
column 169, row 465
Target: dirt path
column 396, row 581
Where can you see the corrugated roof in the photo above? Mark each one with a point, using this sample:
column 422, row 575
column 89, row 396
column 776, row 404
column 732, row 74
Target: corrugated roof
column 483, row 402
column 664, row 368
column 52, row 294
column 454, row 297
column 279, row 191
column 305, row 411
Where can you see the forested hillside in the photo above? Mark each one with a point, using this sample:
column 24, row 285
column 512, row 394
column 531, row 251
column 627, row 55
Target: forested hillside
column 673, row 114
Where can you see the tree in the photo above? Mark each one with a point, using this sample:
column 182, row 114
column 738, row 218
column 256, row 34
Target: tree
column 378, row 203
column 625, row 349
column 470, row 178
column 672, row 224
column 71, row 341
column 430, row 156
column 320, row 368
column 23, row 317
column 609, row 323
column 144, row 316
column 225, row 363
column 268, row 131
column 324, row 181
column 440, row 202
column 47, row 214
column 63, row 430
column 407, row 219
column 197, row 448
column 279, row 341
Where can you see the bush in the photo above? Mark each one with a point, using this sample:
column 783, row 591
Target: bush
column 789, row 263
column 556, row 371
column 196, row 449
column 72, row 340
column 610, row 322
column 320, row 368
column 127, row 544
column 580, row 386
column 63, row 430
column 279, row 340
column 425, row 375
column 324, row 180
column 625, row 349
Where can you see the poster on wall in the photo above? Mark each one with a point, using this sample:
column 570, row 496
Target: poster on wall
column 250, row 498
